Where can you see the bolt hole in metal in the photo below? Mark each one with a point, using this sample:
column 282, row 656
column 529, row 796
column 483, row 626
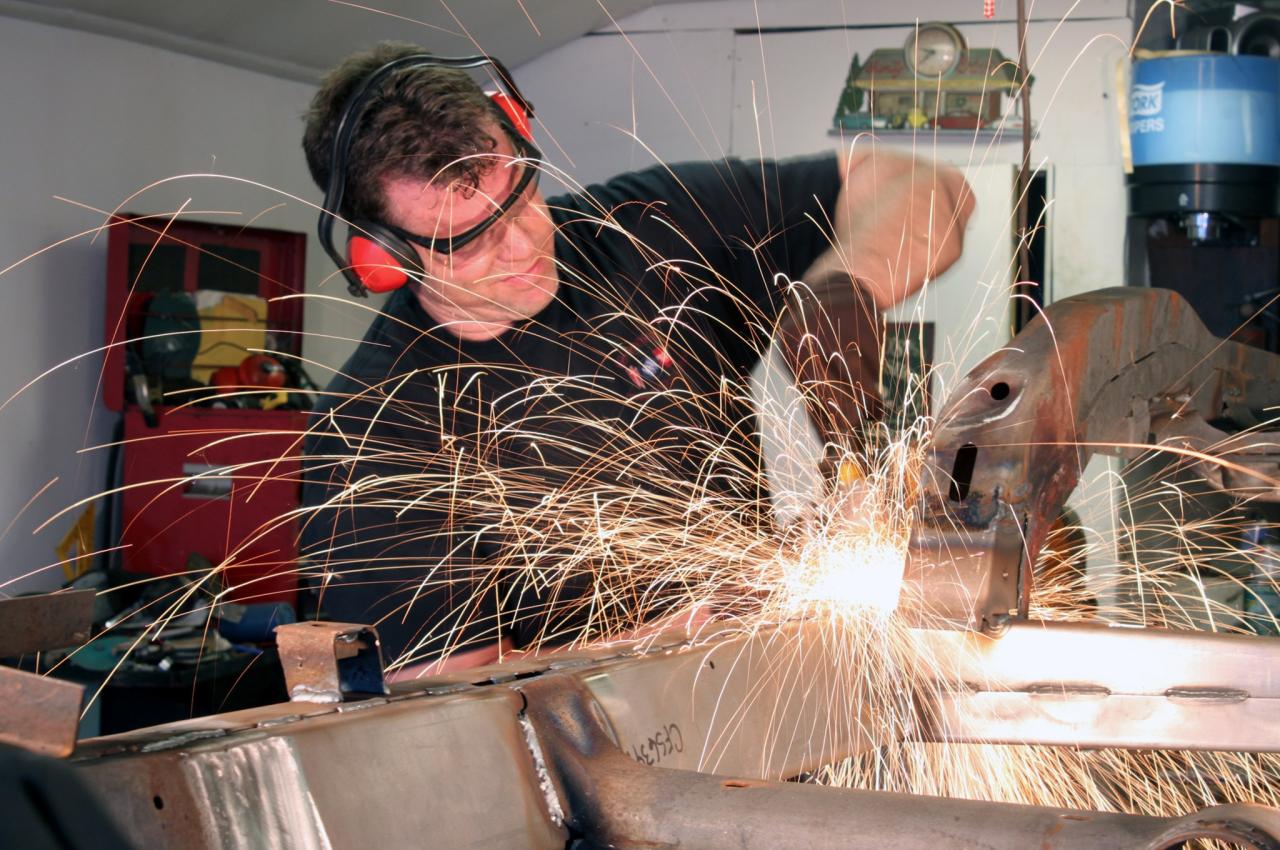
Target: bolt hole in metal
column 158, row 802
column 999, row 390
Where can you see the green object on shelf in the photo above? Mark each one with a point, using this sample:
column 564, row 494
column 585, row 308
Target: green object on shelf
column 849, row 115
column 857, row 121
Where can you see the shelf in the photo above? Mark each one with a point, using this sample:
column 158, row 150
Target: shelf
column 1011, row 135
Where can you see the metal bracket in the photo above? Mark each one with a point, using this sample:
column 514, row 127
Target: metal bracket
column 45, row 621
column 966, row 578
column 328, row 662
column 39, row 713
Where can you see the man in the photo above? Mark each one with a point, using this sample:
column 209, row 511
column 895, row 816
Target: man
column 553, row 366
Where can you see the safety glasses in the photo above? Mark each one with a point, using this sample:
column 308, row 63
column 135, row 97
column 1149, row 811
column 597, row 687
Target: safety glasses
column 529, row 160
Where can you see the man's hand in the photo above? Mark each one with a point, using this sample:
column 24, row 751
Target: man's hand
column 899, row 223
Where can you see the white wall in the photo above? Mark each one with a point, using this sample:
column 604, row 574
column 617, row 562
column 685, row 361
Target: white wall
column 95, row 120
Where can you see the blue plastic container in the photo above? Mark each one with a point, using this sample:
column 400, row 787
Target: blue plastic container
column 1205, row 109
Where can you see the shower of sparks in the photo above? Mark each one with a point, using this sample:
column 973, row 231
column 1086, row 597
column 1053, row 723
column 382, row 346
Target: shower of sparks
column 619, row 516
column 846, row 574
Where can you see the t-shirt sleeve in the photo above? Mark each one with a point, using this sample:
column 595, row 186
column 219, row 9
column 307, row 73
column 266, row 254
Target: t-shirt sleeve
column 728, row 234
column 381, row 548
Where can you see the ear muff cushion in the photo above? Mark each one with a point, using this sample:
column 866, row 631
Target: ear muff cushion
column 381, row 260
column 514, row 112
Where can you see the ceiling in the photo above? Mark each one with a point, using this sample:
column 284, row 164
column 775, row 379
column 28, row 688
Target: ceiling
column 300, row 39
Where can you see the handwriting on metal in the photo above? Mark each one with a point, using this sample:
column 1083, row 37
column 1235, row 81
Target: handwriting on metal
column 663, row 744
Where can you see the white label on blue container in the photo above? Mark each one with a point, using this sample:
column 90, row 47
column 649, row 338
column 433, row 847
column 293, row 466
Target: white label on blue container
column 1205, row 108
column 1146, row 101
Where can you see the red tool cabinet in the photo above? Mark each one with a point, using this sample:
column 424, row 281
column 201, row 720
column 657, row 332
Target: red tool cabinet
column 220, row 484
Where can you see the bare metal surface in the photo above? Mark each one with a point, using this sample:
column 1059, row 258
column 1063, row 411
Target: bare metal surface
column 966, row 578
column 619, row 803
column 291, row 820
column 471, row 765
column 419, row 771
column 39, row 713
column 327, row 662
column 45, row 621
column 773, row 705
column 1122, row 660
column 1083, row 719
column 1098, row 686
column 1087, row 377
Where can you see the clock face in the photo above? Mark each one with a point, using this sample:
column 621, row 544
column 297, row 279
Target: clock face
column 934, row 49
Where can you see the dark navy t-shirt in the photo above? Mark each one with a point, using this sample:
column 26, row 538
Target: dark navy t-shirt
column 433, row 459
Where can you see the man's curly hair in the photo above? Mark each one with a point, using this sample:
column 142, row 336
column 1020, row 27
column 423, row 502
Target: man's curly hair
column 420, row 122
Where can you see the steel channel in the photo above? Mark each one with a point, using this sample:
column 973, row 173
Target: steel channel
column 1120, row 659
column 773, row 704
column 1116, row 720
column 614, row 801
column 439, row 771
column 777, row 704
column 1092, row 685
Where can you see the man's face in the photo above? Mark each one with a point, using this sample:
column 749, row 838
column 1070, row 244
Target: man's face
column 506, row 274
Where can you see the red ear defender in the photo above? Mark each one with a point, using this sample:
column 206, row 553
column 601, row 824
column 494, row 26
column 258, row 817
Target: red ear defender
column 377, row 258
column 378, row 269
column 515, row 113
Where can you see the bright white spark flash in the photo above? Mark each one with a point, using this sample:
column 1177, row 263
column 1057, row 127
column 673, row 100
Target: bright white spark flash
column 848, row 574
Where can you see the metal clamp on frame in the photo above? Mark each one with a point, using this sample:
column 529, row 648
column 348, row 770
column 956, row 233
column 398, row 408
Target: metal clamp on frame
column 329, row 662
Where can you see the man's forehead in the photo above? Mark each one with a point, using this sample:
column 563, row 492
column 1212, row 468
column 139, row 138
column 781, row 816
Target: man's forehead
column 497, row 175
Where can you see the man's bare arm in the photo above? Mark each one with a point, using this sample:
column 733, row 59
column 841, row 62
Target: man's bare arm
column 898, row 223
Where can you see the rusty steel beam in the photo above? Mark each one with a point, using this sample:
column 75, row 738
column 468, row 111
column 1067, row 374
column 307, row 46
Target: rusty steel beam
column 45, row 621
column 696, row 733
column 1087, row 377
